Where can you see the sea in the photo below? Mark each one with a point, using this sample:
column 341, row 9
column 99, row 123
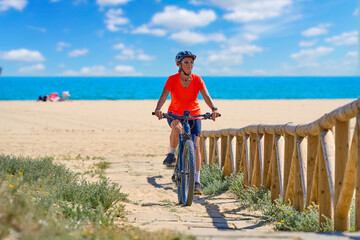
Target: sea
column 143, row 88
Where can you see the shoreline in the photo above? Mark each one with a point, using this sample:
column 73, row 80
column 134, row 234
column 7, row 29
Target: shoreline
column 215, row 99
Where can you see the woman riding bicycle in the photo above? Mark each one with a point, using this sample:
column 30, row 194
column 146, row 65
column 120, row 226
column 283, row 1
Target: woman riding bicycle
column 184, row 88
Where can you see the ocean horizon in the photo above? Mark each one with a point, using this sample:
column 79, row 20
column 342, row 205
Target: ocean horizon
column 150, row 88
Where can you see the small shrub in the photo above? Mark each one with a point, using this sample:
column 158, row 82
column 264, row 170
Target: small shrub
column 212, row 180
column 284, row 216
column 102, row 165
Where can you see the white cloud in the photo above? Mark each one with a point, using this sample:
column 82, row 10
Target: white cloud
column 250, row 37
column 144, row 57
column 356, row 12
column 61, row 65
column 53, row 1
column 232, row 55
column 22, row 55
column 249, row 10
column 130, row 54
column 93, row 71
column 61, row 45
column 78, row 52
column 311, row 54
column 174, row 18
column 119, row 46
column 352, row 54
column 307, row 43
column 125, row 70
column 32, row 68
column 315, row 31
column 39, row 29
column 105, row 3
column 347, row 39
column 87, row 71
column 144, row 29
column 114, row 18
column 190, row 38
column 120, row 70
column 16, row 4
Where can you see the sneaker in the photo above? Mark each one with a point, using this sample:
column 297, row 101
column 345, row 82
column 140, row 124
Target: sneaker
column 197, row 190
column 170, row 160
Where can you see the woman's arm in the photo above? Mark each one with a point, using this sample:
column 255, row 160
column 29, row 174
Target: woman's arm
column 204, row 92
column 161, row 102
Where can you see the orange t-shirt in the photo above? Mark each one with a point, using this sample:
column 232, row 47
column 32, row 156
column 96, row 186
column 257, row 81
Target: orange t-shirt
column 184, row 98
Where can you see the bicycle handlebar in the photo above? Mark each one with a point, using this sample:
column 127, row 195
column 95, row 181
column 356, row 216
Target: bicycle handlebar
column 182, row 117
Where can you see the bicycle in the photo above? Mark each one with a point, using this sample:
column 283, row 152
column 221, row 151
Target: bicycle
column 184, row 172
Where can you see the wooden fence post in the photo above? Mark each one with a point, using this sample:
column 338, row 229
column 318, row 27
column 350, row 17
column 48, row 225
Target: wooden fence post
column 256, row 174
column 247, row 161
column 204, row 157
column 253, row 147
column 268, row 152
column 326, row 178
column 224, row 141
column 261, row 158
column 229, row 158
column 300, row 173
column 239, row 153
column 277, row 169
column 312, row 173
column 342, row 132
column 344, row 201
column 289, row 150
column 211, row 149
column 214, row 151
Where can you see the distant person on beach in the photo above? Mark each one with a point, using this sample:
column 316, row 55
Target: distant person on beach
column 184, row 88
column 44, row 99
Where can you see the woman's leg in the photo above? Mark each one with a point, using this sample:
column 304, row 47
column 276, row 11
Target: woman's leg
column 176, row 129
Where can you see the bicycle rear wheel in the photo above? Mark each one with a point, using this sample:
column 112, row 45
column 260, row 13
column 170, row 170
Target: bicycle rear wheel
column 188, row 178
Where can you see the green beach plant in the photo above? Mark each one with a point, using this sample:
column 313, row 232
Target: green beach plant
column 43, row 200
column 212, row 180
column 283, row 216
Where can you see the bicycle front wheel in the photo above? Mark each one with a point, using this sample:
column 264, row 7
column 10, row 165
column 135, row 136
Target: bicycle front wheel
column 188, row 176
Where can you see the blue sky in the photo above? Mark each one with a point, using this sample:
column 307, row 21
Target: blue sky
column 142, row 37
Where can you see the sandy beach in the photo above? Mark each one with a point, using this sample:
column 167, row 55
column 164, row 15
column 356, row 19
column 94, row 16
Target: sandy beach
column 124, row 133
column 115, row 129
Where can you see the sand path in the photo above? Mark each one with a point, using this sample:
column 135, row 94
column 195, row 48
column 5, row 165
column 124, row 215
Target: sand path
column 125, row 134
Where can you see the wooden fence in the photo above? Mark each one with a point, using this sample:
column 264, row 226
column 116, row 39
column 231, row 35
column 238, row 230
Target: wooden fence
column 317, row 162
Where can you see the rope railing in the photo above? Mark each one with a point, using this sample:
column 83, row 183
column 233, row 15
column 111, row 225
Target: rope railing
column 303, row 164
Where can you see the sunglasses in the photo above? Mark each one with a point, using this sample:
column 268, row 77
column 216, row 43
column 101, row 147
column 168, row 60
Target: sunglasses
column 187, row 62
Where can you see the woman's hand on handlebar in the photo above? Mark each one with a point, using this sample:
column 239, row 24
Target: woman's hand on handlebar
column 215, row 114
column 159, row 114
